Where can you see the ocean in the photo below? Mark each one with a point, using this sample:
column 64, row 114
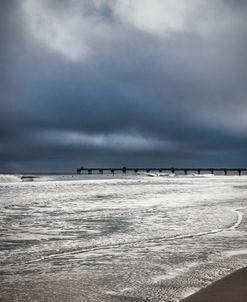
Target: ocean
column 119, row 238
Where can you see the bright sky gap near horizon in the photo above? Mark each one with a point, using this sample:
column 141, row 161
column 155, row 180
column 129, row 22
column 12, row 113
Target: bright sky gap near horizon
column 122, row 82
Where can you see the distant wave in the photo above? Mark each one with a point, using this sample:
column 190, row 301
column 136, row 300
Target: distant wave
column 9, row 178
column 201, row 175
column 149, row 174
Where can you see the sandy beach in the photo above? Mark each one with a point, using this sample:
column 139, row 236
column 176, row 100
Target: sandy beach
column 229, row 289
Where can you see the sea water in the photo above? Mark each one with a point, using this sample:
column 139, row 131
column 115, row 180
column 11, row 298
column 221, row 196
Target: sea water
column 121, row 238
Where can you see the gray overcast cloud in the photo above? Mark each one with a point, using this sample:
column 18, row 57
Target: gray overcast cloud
column 122, row 82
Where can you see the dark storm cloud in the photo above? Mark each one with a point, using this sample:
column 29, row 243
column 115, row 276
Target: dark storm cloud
column 99, row 87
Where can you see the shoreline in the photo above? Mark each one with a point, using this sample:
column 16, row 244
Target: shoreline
column 231, row 288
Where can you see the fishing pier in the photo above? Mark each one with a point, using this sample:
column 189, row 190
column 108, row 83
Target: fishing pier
column 185, row 171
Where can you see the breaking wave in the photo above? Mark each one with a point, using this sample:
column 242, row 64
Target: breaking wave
column 9, row 178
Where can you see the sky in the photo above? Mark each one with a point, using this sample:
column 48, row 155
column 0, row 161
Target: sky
column 112, row 83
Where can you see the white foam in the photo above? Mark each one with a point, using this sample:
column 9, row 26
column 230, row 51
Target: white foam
column 201, row 175
column 239, row 220
column 158, row 174
column 160, row 209
column 9, row 178
column 152, row 174
column 236, row 252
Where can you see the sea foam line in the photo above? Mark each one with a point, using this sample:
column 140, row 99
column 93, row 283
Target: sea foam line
column 239, row 219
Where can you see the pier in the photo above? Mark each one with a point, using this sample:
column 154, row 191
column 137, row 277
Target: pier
column 185, row 171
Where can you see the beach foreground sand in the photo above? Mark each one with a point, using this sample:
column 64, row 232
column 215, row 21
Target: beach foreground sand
column 232, row 288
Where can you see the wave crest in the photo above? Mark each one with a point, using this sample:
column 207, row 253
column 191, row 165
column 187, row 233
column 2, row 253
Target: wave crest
column 9, row 178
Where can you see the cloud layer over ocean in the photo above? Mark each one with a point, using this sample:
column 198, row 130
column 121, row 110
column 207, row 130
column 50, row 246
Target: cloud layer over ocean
column 122, row 82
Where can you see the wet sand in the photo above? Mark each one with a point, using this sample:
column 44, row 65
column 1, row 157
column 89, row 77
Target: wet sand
column 232, row 288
